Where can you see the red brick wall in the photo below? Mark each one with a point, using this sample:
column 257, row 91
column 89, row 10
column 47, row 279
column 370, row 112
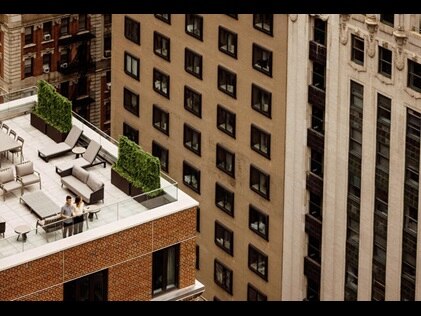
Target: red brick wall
column 127, row 255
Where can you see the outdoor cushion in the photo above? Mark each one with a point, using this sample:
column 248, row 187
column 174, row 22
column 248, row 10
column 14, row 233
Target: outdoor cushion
column 6, row 175
column 10, row 186
column 94, row 183
column 25, row 168
column 80, row 173
column 30, row 179
column 92, row 151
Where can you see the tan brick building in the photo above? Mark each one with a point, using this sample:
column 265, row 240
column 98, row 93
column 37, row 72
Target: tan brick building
column 71, row 51
column 206, row 94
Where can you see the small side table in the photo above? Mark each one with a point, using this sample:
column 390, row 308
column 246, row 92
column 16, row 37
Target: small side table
column 22, row 230
column 92, row 210
column 78, row 151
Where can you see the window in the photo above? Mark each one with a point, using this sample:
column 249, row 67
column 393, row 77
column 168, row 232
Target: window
column 254, row 294
column 320, row 31
column 131, row 65
column 260, row 141
column 197, row 257
column 107, row 45
column 194, row 25
column 191, row 177
column 192, row 139
column 224, row 238
column 161, row 120
column 317, row 119
column 198, row 219
column 262, row 60
column 107, row 20
column 261, row 100
column 162, row 153
column 64, row 57
column 259, row 222
column 234, row 16
column 47, row 31
column 258, row 262
column 225, row 160
column 131, row 133
column 388, row 19
column 224, row 199
column 357, row 49
column 161, row 45
column 28, row 67
column 46, row 62
column 165, row 273
column 259, row 182
column 64, row 27
column 82, row 24
column 227, row 42
column 161, row 83
column 225, row 121
column 131, row 102
column 164, row 17
column 316, row 162
column 193, row 63
column 315, row 205
column 385, row 62
column 193, row 101
column 92, row 287
column 132, row 30
column 227, row 81
column 318, row 76
column 414, row 75
column 29, row 35
column 263, row 22
column 223, row 276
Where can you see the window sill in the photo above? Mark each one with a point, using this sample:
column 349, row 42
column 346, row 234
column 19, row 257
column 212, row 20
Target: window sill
column 182, row 294
column 29, row 45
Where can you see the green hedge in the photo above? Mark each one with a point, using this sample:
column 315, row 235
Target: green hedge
column 139, row 167
column 54, row 108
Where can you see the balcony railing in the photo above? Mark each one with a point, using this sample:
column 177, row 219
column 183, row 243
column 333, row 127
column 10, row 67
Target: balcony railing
column 82, row 36
column 316, row 97
column 76, row 66
column 315, row 140
column 317, row 53
column 313, row 226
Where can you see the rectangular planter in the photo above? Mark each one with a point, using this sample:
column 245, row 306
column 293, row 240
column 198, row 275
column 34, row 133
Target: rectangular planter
column 55, row 134
column 38, row 123
column 136, row 191
column 120, row 182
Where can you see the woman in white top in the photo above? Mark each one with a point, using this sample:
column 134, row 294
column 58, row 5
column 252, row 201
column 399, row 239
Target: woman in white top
column 78, row 215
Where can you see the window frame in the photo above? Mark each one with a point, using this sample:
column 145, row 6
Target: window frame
column 189, row 130
column 129, row 72
column 132, row 30
column 157, row 110
column 257, row 294
column 28, row 39
column 227, row 274
column 128, row 129
column 222, row 118
column 223, row 35
column 158, row 147
column 165, row 257
column 190, row 60
column 27, row 74
column 186, row 166
column 228, row 76
column 259, row 93
column 260, row 133
column 354, row 50
column 65, row 26
column 257, row 212
column 263, row 18
column 159, row 38
column 228, row 198
column 163, row 18
column 158, row 73
column 258, row 52
column 227, row 238
column 412, row 75
column 199, row 26
column 189, row 93
column 222, row 154
column 261, row 257
column 128, row 95
column 383, row 62
column 255, row 171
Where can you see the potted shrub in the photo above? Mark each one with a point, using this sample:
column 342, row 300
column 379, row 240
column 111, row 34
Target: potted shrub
column 136, row 171
column 52, row 114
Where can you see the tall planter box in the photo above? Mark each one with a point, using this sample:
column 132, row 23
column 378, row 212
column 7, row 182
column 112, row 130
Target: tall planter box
column 38, row 123
column 120, row 182
column 55, row 134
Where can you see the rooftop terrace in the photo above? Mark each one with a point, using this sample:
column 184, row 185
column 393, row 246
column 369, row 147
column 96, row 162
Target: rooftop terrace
column 117, row 213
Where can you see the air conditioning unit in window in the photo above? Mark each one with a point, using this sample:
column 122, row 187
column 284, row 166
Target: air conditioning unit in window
column 47, row 37
column 107, row 53
column 63, row 65
column 109, row 85
column 46, row 69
